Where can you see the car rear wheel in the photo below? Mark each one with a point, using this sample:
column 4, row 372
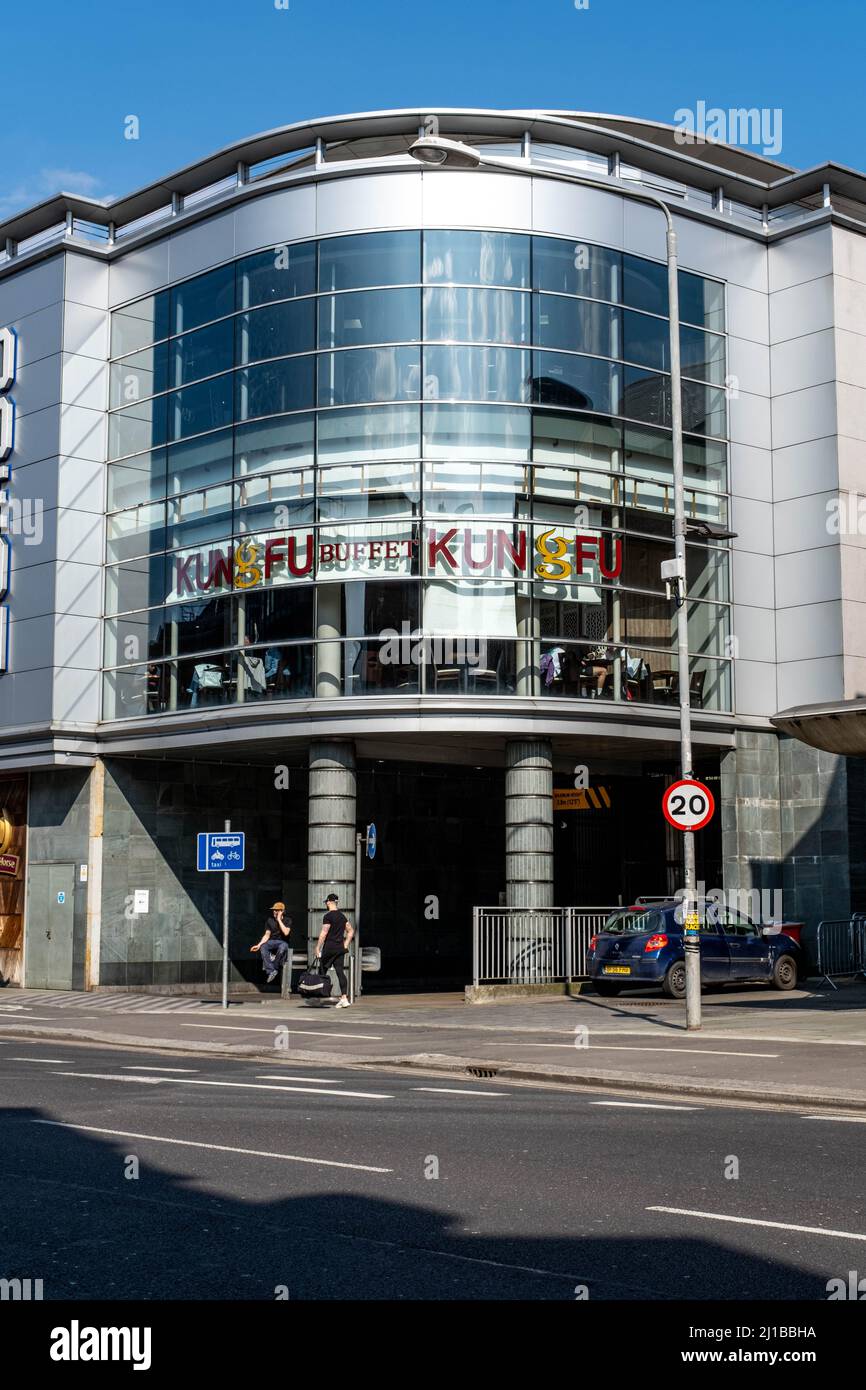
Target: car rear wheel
column 606, row 988
column 674, row 983
column 785, row 973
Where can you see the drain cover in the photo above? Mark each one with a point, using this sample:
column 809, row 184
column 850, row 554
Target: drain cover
column 483, row 1072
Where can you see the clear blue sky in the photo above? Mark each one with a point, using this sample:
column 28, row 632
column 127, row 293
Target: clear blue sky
column 202, row 73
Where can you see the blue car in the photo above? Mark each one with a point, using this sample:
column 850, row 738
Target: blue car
column 643, row 945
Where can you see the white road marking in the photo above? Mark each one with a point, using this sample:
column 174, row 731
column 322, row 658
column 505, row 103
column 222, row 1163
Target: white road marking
column 236, row 1085
column 642, row 1105
column 313, row 1080
column 56, row 1061
column 450, row 1091
column 183, row 1069
column 313, row 1032
column 31, row 1018
column 842, row 1119
column 753, row 1221
column 619, row 1047
column 220, row 1148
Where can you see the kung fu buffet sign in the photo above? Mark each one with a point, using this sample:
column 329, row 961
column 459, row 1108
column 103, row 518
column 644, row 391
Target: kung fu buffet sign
column 556, row 555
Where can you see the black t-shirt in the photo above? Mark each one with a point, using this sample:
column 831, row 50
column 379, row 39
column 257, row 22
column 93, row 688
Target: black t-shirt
column 336, row 924
column 273, row 926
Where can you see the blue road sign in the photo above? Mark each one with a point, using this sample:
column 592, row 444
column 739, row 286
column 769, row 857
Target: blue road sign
column 221, row 853
column 371, row 841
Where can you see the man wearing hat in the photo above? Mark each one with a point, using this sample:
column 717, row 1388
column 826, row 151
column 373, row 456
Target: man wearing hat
column 333, row 943
column 274, row 945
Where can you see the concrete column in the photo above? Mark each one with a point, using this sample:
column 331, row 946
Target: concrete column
column 329, row 650
column 93, row 908
column 529, row 823
column 331, row 842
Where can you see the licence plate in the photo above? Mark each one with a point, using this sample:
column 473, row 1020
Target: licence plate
column 616, row 970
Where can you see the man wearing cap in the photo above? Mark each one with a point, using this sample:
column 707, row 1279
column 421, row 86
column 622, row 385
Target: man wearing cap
column 274, row 945
column 334, row 938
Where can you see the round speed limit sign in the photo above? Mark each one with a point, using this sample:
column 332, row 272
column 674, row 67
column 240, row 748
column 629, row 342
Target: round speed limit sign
column 688, row 805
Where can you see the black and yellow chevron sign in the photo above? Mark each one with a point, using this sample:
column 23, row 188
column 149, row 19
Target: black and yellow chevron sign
column 581, row 799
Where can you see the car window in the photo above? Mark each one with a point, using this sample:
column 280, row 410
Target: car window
column 621, row 923
column 736, row 924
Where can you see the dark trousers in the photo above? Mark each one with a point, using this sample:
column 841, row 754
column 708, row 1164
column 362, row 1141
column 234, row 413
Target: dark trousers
column 334, row 960
column 273, row 954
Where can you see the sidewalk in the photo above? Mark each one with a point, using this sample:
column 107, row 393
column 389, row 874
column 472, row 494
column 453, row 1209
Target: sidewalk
column 804, row 1048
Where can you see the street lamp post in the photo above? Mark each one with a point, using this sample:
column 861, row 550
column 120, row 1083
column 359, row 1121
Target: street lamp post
column 437, row 152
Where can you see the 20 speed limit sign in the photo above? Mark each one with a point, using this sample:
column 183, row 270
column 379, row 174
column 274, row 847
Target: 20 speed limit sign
column 688, row 805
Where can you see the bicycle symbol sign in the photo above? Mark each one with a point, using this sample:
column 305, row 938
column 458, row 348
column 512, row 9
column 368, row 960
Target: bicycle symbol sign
column 688, row 805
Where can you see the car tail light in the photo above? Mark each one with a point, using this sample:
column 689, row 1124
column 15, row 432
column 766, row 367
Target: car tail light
column 656, row 942
column 593, row 943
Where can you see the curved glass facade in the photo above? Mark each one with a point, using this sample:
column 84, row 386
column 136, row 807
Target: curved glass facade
column 411, row 463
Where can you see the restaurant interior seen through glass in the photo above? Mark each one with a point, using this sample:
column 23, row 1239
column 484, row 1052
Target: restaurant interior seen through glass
column 407, row 463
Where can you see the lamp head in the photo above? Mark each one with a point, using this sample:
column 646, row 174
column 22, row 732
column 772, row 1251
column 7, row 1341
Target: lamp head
column 438, row 153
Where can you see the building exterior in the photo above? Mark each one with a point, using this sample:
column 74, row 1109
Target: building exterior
column 338, row 491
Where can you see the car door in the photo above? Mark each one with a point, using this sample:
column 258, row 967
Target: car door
column 715, row 956
column 749, row 951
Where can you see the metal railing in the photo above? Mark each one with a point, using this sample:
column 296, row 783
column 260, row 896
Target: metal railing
column 842, row 947
column 532, row 946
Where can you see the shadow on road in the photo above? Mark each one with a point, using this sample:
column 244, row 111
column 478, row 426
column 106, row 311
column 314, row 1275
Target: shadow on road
column 73, row 1219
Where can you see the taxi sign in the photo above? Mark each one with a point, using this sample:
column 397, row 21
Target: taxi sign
column 688, row 805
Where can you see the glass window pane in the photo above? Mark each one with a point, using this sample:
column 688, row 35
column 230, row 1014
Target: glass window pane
column 461, row 607
column 369, row 374
column 705, row 464
column 200, row 516
column 276, row 615
column 709, row 629
column 382, row 432
column 143, row 374
column 476, row 258
column 200, row 462
column 274, row 387
column 377, row 258
column 205, row 625
column 574, row 267
column 575, row 485
column 207, row 406
column 137, row 428
column 138, row 324
column 135, row 532
column 476, row 374
column 583, row 383
column 207, row 297
column 710, row 684
column 133, row 637
column 375, row 608
column 278, row 330
column 708, row 573
column 647, row 396
column 205, row 353
column 274, row 444
column 137, row 584
column 701, row 301
column 370, row 316
column 575, row 442
column 281, row 272
column 703, row 355
column 381, row 488
column 646, row 340
column 644, row 285
column 133, row 693
column 576, row 325
column 704, row 409
column 476, row 316
column 139, row 479
column 487, row 432
column 267, row 501
column 454, row 488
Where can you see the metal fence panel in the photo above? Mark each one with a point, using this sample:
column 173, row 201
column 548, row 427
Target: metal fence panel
column 518, row 945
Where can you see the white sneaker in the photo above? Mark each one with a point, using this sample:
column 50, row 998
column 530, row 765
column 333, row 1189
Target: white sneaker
column 343, row 1004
